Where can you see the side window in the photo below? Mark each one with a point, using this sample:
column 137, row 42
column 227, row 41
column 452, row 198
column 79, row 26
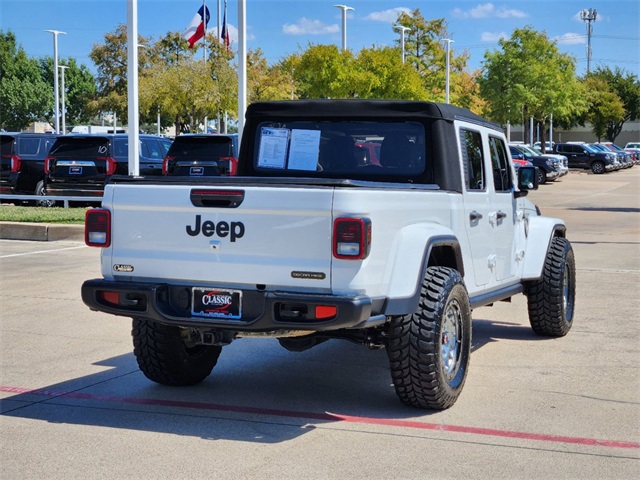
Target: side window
column 500, row 165
column 29, row 146
column 471, row 147
column 144, row 148
column 165, row 147
column 120, row 148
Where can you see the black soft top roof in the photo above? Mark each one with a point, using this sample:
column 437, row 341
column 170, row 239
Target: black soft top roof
column 355, row 108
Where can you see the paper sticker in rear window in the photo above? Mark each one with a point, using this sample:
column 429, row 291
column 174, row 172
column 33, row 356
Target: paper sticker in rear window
column 304, row 149
column 273, row 148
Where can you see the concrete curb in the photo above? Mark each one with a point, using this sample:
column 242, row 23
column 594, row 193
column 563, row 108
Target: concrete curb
column 41, row 232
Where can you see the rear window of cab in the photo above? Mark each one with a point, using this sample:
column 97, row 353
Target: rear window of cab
column 351, row 149
column 201, row 148
column 81, row 148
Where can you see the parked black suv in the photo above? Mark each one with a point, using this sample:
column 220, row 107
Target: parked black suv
column 23, row 156
column 583, row 156
column 79, row 165
column 202, row 155
column 547, row 166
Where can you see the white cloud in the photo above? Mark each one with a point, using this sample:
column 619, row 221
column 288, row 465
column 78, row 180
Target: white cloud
column 571, row 39
column 387, row 16
column 233, row 33
column 486, row 10
column 492, row 37
column 305, row 26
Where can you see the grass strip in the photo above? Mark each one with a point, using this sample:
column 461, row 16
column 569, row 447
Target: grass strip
column 10, row 213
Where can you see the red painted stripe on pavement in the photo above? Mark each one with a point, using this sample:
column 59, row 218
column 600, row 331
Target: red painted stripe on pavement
column 329, row 417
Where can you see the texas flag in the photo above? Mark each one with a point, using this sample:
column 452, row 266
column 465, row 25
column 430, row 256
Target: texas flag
column 195, row 30
column 225, row 30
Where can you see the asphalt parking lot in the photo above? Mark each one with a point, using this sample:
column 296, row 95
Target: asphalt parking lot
column 75, row 405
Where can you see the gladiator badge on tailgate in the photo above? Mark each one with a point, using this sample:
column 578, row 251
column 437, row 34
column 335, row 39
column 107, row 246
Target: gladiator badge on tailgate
column 123, row 268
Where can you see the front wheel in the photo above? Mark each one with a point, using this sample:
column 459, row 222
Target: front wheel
column 551, row 299
column 429, row 350
column 167, row 355
column 597, row 168
column 542, row 176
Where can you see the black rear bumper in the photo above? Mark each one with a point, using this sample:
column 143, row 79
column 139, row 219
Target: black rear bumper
column 262, row 311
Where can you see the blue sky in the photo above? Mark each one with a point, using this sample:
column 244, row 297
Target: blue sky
column 281, row 27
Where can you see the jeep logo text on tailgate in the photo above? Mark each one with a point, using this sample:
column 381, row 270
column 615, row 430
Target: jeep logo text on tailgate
column 221, row 229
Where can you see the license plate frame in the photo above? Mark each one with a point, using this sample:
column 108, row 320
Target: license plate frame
column 216, row 303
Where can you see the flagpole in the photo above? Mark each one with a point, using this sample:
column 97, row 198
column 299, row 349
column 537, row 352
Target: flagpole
column 219, row 35
column 204, row 38
column 204, row 53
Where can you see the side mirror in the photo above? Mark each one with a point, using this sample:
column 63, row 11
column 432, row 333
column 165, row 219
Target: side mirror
column 527, row 180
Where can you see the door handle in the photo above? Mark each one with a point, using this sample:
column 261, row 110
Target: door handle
column 475, row 216
column 501, row 215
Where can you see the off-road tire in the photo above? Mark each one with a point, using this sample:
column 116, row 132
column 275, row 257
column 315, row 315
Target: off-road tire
column 164, row 357
column 429, row 350
column 597, row 167
column 551, row 299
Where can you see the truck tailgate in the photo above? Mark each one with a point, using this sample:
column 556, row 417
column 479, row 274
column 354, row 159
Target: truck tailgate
column 274, row 236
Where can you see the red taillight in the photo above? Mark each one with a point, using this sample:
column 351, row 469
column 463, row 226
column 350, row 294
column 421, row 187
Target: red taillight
column 16, row 162
column 165, row 164
column 97, row 227
column 111, row 164
column 47, row 164
column 233, row 165
column 351, row 238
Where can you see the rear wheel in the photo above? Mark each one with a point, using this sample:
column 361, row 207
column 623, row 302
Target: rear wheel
column 167, row 355
column 551, row 299
column 597, row 167
column 41, row 192
column 429, row 350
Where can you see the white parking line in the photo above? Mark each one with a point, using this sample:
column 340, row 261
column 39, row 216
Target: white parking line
column 42, row 251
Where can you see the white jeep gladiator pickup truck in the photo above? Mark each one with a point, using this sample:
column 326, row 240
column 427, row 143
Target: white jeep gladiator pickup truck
column 379, row 222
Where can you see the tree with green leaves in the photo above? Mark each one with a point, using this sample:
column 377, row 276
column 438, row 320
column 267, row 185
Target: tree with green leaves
column 528, row 77
column 170, row 49
column 266, row 82
column 25, row 96
column 323, row 71
column 626, row 88
column 110, row 59
column 425, row 50
column 186, row 92
column 383, row 75
column 605, row 107
column 79, row 94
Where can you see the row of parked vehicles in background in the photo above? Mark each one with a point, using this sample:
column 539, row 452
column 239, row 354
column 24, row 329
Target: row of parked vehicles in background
column 557, row 158
column 80, row 164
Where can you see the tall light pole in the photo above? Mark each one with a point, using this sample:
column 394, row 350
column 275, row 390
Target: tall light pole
column 402, row 29
column 344, row 9
column 589, row 15
column 133, row 114
column 448, row 49
column 64, row 110
column 55, row 75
